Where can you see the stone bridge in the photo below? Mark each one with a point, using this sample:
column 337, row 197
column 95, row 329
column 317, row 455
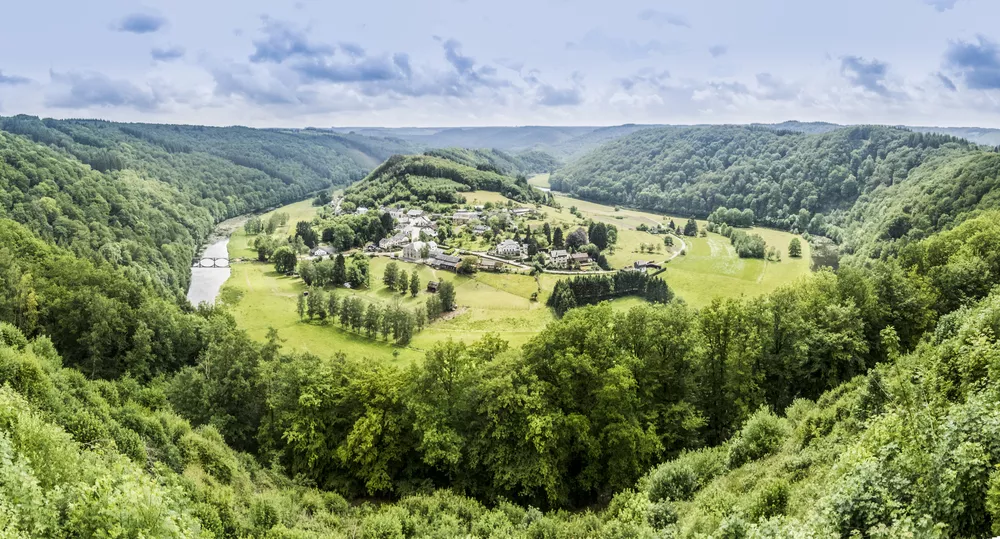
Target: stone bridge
column 210, row 262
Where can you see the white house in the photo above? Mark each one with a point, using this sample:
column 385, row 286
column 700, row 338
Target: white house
column 509, row 248
column 558, row 258
column 415, row 213
column 395, row 241
column 520, row 212
column 361, row 210
column 420, row 222
column 480, row 229
column 413, row 250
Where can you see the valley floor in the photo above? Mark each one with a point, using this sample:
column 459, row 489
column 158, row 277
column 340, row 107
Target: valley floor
column 261, row 299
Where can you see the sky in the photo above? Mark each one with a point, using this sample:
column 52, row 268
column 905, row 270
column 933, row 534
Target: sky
column 435, row 63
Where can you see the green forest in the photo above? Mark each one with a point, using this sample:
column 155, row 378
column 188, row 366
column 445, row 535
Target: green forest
column 867, row 187
column 437, row 179
column 858, row 402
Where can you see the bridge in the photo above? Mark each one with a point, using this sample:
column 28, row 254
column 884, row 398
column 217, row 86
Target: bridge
column 210, row 262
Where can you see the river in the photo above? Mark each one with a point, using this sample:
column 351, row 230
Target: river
column 206, row 282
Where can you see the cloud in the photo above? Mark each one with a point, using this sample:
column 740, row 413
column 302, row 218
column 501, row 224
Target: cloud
column 90, row 89
column 618, row 48
column 353, row 49
column 167, row 54
column 289, row 68
column 868, row 75
column 281, row 41
column 947, row 82
column 718, row 50
column 941, row 5
column 141, row 23
column 13, row 80
column 663, row 17
column 359, row 70
column 774, row 89
column 978, row 64
column 551, row 96
column 253, row 85
column 648, row 77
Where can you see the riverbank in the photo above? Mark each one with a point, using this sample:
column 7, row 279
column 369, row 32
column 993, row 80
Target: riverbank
column 207, row 282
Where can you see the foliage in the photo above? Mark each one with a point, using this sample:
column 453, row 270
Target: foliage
column 788, row 180
column 426, row 178
column 590, row 289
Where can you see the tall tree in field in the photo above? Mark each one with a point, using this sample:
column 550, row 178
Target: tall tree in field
column 301, row 306
column 691, row 227
column 332, row 305
column 414, row 284
column 547, row 230
column 403, row 283
column 795, row 248
column 557, row 239
column 339, row 270
column 284, row 260
column 599, row 235
column 372, row 317
column 390, row 274
column 304, row 230
column 446, row 292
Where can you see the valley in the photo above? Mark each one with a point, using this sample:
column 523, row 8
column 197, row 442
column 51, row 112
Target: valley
column 499, row 303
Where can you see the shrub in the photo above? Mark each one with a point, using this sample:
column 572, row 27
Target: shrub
column 761, row 436
column 675, row 480
column 768, row 500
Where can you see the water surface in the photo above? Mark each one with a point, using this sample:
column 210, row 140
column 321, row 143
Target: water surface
column 206, row 282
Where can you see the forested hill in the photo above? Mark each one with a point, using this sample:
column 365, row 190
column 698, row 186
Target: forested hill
column 143, row 196
column 790, row 180
column 438, row 178
column 511, row 164
column 564, row 142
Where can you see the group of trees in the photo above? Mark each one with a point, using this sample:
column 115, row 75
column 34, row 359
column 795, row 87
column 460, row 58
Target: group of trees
column 257, row 225
column 589, row 289
column 785, row 179
column 335, row 271
column 397, row 279
column 372, row 318
column 510, row 164
column 434, row 179
column 349, row 231
column 732, row 217
column 747, row 245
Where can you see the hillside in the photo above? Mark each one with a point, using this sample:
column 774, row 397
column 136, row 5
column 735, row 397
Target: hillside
column 435, row 179
column 860, row 402
column 561, row 141
column 525, row 163
column 788, row 179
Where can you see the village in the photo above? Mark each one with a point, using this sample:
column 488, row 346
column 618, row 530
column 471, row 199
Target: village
column 493, row 238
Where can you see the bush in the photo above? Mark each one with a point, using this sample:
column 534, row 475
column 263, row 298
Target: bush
column 769, row 500
column 761, row 436
column 675, row 480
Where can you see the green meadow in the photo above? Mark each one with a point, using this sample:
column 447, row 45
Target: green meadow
column 260, row 299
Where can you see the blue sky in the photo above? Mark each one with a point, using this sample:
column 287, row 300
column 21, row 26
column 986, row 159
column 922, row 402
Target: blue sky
column 518, row 62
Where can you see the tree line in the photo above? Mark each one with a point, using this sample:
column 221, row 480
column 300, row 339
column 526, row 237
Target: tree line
column 589, row 289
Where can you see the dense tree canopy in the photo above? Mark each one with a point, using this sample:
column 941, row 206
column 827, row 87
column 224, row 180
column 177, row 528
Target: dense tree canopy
column 784, row 179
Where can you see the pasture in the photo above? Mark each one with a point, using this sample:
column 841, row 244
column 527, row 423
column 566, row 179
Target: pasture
column 260, row 298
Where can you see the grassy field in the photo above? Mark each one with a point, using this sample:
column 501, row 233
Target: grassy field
column 540, row 180
column 260, row 299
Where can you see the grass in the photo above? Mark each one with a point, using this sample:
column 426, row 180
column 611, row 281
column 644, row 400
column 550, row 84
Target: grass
column 540, row 180
column 711, row 269
column 260, row 299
